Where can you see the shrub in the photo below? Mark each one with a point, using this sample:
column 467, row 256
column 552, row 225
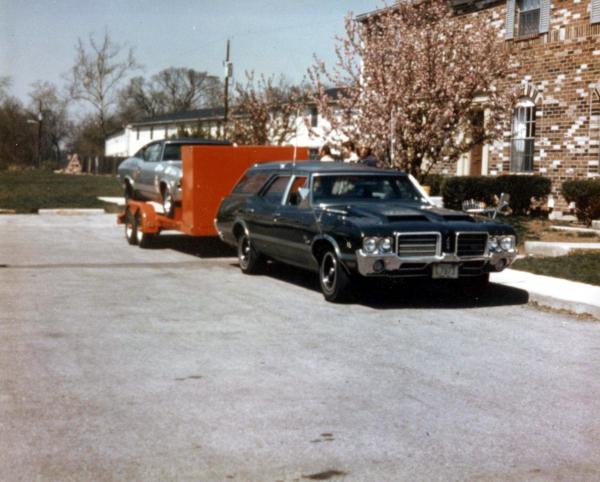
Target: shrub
column 458, row 189
column 586, row 196
column 435, row 182
column 522, row 190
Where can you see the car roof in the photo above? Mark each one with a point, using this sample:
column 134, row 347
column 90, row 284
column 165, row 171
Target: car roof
column 312, row 167
column 196, row 140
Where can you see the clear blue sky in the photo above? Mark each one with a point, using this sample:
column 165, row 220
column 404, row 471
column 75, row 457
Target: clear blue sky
column 38, row 37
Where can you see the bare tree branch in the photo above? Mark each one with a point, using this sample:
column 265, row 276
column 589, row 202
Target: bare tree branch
column 97, row 72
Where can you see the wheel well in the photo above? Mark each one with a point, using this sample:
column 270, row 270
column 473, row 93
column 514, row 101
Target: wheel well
column 320, row 247
column 238, row 230
column 163, row 187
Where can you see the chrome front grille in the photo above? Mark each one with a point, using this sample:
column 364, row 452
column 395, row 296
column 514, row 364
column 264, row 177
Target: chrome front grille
column 471, row 244
column 414, row 245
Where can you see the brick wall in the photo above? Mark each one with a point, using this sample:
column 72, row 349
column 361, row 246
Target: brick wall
column 559, row 72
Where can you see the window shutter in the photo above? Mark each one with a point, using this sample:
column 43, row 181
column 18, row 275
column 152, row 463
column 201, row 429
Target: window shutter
column 544, row 16
column 595, row 11
column 510, row 18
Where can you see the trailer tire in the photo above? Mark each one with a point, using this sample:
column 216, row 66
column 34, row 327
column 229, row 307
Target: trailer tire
column 130, row 228
column 144, row 240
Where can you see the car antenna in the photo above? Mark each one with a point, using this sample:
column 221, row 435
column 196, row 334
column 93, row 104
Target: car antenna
column 296, row 141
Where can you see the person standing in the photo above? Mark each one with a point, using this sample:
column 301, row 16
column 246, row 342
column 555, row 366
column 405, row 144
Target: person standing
column 349, row 152
column 325, row 154
column 366, row 156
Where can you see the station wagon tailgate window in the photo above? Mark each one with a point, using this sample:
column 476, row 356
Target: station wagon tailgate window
column 251, row 183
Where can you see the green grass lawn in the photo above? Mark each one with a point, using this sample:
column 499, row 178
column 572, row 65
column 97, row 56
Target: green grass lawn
column 28, row 191
column 579, row 266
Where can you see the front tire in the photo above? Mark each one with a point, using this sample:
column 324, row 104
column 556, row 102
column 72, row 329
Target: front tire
column 168, row 203
column 333, row 278
column 129, row 193
column 249, row 259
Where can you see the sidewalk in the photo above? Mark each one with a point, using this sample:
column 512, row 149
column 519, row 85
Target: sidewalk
column 553, row 292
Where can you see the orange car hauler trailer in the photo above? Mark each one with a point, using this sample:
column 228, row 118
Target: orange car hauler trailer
column 209, row 174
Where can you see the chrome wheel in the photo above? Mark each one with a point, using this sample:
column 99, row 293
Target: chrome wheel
column 168, row 203
column 333, row 278
column 249, row 259
column 244, row 252
column 328, row 272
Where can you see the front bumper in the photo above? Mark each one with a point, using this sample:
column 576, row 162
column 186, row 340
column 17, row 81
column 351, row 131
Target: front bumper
column 393, row 265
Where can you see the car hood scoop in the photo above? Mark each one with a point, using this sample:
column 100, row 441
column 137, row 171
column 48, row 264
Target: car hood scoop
column 394, row 218
column 400, row 212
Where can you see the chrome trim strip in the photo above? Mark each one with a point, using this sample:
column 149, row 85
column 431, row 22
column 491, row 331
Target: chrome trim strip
column 284, row 242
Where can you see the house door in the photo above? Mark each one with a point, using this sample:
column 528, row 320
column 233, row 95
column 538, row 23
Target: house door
column 476, row 160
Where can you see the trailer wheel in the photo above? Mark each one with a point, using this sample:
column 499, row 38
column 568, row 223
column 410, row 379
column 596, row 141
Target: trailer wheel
column 168, row 202
column 144, row 240
column 249, row 259
column 130, row 228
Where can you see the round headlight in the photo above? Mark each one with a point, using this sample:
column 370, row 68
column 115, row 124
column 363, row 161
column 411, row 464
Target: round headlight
column 370, row 245
column 493, row 243
column 385, row 245
column 507, row 243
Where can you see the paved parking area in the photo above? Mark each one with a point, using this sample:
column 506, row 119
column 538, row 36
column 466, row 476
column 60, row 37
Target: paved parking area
column 118, row 363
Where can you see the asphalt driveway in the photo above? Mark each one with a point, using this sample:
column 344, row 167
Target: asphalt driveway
column 118, row 363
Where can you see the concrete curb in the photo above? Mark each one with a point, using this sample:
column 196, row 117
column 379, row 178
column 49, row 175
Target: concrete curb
column 552, row 249
column 554, row 293
column 119, row 201
column 70, row 212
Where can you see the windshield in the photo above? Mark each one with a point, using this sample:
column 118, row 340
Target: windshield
column 363, row 187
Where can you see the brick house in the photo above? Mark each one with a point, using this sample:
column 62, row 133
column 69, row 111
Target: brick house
column 555, row 127
column 555, row 124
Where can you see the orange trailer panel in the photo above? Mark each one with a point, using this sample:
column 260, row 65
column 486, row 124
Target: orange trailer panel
column 211, row 172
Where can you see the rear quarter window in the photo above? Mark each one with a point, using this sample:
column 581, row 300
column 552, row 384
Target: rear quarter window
column 172, row 152
column 251, row 183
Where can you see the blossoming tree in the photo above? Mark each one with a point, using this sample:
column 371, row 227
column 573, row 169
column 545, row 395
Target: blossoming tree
column 420, row 87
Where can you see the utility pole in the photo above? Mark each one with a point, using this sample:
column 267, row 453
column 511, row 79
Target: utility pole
column 40, row 118
column 228, row 74
column 39, row 143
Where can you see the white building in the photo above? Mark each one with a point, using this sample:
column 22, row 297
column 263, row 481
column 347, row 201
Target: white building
column 129, row 140
column 311, row 130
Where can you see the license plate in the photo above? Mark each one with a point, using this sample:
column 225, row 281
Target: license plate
column 445, row 271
